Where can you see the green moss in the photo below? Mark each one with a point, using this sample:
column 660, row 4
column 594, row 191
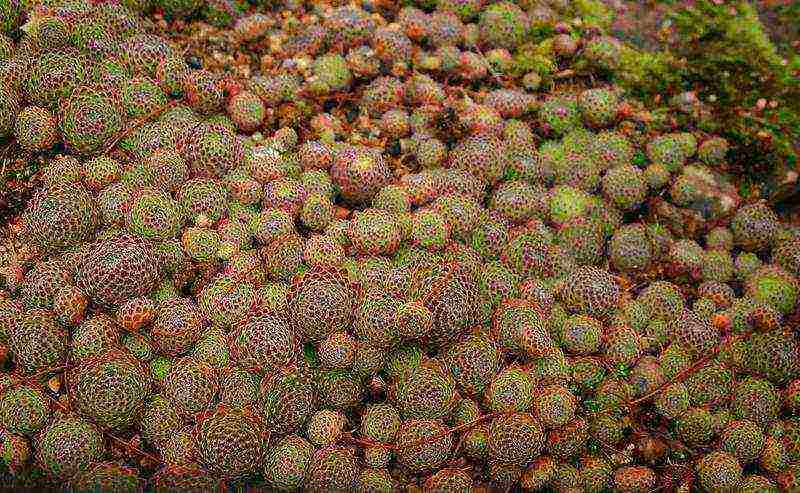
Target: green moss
column 723, row 53
column 728, row 51
column 645, row 73
column 593, row 13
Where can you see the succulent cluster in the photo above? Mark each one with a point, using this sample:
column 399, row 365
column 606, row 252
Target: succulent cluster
column 389, row 259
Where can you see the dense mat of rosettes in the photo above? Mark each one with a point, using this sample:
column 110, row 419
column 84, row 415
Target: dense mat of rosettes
column 472, row 282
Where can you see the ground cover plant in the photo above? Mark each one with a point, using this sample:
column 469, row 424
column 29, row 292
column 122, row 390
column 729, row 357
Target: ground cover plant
column 438, row 245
